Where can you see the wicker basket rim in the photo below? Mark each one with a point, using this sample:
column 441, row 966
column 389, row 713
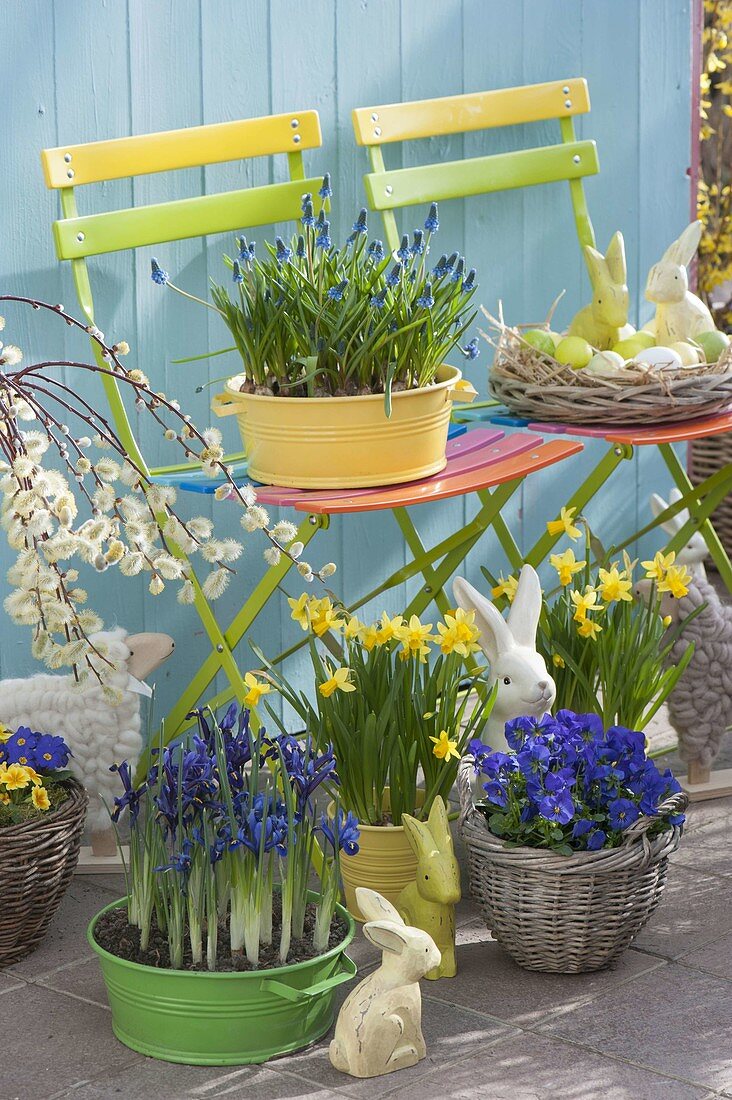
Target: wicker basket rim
column 77, row 799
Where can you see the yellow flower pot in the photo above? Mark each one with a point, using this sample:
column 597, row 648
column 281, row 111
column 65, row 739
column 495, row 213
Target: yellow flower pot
column 345, row 442
column 385, row 861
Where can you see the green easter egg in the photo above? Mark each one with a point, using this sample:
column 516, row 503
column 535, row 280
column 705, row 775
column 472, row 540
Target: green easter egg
column 645, row 339
column 557, row 337
column 574, row 352
column 712, row 343
column 633, row 345
column 540, row 339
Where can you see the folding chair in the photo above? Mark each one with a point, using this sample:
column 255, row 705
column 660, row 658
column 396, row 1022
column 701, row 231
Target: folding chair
column 571, row 160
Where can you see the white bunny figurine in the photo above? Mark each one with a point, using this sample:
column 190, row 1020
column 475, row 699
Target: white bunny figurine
column 524, row 684
column 379, row 1027
column 695, row 551
column 679, row 313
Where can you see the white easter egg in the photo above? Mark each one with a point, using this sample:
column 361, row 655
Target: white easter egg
column 690, row 356
column 605, row 362
column 660, row 357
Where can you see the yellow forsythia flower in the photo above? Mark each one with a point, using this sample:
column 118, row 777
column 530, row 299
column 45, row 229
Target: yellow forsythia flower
column 614, row 585
column 337, row 681
column 505, row 588
column 257, row 688
column 566, row 566
column 564, row 524
column 444, row 747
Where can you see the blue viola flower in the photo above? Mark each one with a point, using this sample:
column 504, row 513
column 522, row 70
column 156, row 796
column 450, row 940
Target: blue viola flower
column 157, row 274
column 471, row 349
column 596, row 840
column 534, row 757
column 432, row 223
column 622, row 812
column 403, row 252
column 417, row 245
column 496, row 793
column 676, row 819
column 375, row 251
column 341, row 832
column 335, row 293
column 557, row 807
column 392, row 279
column 323, row 238
column 426, row 299
column 326, row 191
column 582, row 826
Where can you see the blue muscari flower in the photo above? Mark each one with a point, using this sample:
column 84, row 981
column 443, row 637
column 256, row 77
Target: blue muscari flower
column 323, row 238
column 451, row 261
column 471, row 349
column 300, row 250
column 236, row 272
column 417, row 246
column 341, row 832
column 432, row 223
column 359, row 226
column 457, row 274
column 308, row 218
column 425, row 300
column 557, row 807
column 441, row 269
column 622, row 813
column 326, row 190
column 378, row 301
column 306, row 199
column 320, row 220
column 403, row 252
column 375, row 251
column 469, row 283
column 157, row 274
column 392, row 279
column 335, row 293
column 283, row 252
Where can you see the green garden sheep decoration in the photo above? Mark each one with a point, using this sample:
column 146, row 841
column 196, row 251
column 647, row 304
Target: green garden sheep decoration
column 429, row 902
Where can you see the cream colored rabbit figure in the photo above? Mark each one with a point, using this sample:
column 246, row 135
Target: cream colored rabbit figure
column 524, row 684
column 379, row 1027
column 429, row 902
column 605, row 320
column 679, row 313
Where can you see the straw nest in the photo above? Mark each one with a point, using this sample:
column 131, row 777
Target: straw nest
column 535, row 385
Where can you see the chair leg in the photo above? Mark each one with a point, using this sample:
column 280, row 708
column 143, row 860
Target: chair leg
column 716, row 549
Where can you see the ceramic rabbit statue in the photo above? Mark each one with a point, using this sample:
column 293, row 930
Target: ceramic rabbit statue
column 605, row 320
column 679, row 313
column 429, row 902
column 695, row 552
column 379, row 1027
column 524, row 684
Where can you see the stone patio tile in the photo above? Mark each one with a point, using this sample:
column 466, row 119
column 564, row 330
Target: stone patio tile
column 693, row 910
column 715, row 958
column 699, row 814
column 489, row 981
column 65, row 940
column 9, row 981
column 673, row 1020
column 707, row 849
column 80, row 979
column 57, row 1043
column 534, row 1067
column 450, row 1033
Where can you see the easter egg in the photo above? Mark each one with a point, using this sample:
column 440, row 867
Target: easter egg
column 690, row 355
column 631, row 348
column 573, row 352
column 540, row 339
column 605, row 362
column 645, row 339
column 660, row 357
column 713, row 343
column 557, row 337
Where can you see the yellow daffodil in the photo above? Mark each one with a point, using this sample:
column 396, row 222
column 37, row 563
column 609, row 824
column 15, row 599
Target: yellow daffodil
column 299, row 610
column 414, row 637
column 564, row 524
column 656, row 569
column 324, row 617
column 458, row 633
column 505, row 587
column 615, row 585
column 566, row 566
column 15, row 777
column 5, row 733
column 444, row 747
column 676, row 581
column 588, row 628
column 388, row 628
column 39, row 796
column 558, row 661
column 667, row 620
column 583, row 602
column 370, row 637
column 353, row 629
column 257, row 688
column 337, row 681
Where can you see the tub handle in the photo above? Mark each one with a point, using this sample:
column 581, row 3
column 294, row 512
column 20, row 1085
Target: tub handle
column 462, row 391
column 223, row 405
column 301, row 996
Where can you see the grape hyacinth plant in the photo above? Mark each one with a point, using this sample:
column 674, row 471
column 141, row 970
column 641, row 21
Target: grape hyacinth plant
column 32, row 774
column 221, row 821
column 312, row 320
column 570, row 784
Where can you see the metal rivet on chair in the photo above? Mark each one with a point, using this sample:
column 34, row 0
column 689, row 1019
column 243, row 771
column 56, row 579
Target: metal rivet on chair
column 576, row 158
column 377, row 131
column 296, row 139
column 70, row 173
column 67, row 158
column 80, row 236
column 565, row 89
column 374, row 117
column 388, row 189
column 219, row 648
column 568, row 103
column 295, row 123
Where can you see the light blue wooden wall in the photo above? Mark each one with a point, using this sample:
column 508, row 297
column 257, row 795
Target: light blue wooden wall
column 90, row 69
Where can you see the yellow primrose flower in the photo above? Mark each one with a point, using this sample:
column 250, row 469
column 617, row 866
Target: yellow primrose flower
column 583, row 602
column 414, row 637
column 505, row 587
column 299, row 610
column 444, row 747
column 588, row 628
column 4, row 798
column 324, row 617
column 5, row 733
column 564, row 525
column 39, row 796
column 458, row 633
column 388, row 628
column 337, row 681
column 676, row 581
column 566, row 566
column 615, row 585
column 257, row 688
column 353, row 628
column 661, row 562
column 558, row 661
column 15, row 777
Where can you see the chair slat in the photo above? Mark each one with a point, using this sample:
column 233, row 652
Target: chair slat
column 178, row 220
column 71, row 165
column 474, row 111
column 480, row 175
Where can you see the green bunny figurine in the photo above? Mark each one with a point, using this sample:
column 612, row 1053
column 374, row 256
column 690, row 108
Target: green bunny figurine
column 605, row 320
column 429, row 902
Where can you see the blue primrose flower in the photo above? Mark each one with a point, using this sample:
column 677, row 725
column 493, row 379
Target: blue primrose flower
column 341, row 832
column 157, row 274
column 20, row 748
column 432, row 222
column 51, row 752
column 335, row 293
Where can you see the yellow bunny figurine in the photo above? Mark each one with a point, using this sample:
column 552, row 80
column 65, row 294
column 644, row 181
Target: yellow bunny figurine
column 605, row 320
column 429, row 902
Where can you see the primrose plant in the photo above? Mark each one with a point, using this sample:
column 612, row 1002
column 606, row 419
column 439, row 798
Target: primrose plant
column 221, row 823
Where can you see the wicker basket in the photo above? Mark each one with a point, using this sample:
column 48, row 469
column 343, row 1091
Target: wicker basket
column 37, row 860
column 707, row 456
column 536, row 386
column 564, row 914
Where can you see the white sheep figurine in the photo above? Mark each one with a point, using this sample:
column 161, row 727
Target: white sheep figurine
column 98, row 732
